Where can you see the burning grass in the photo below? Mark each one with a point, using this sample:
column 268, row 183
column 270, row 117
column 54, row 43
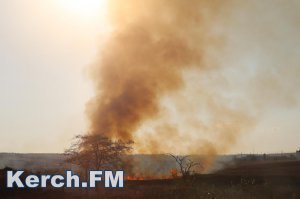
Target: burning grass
column 223, row 185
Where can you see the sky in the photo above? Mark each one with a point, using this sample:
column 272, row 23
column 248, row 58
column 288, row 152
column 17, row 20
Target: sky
column 46, row 48
column 44, row 51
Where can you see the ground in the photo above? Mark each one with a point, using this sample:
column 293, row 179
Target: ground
column 257, row 180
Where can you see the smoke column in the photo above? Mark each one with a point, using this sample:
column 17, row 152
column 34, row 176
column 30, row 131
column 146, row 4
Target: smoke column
column 193, row 76
column 151, row 43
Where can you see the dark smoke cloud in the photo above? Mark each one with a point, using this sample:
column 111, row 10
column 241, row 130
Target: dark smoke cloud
column 151, row 43
column 193, row 76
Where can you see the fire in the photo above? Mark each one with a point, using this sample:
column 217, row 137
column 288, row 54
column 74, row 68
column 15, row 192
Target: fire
column 174, row 173
column 134, row 178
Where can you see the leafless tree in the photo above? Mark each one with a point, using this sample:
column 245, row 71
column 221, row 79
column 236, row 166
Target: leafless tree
column 97, row 152
column 186, row 165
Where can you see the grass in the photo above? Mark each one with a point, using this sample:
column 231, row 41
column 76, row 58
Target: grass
column 241, row 182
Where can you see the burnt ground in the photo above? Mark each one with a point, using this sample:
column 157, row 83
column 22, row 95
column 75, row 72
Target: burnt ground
column 257, row 180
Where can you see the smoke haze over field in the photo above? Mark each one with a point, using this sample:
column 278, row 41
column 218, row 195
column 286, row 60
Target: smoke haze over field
column 201, row 77
column 152, row 43
column 192, row 77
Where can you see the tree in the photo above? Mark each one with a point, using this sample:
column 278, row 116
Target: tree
column 97, row 152
column 186, row 164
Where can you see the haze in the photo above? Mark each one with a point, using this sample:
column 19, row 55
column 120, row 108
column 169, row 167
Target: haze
column 46, row 50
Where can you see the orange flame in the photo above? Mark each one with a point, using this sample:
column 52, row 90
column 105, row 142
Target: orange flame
column 134, row 178
column 161, row 177
column 174, row 173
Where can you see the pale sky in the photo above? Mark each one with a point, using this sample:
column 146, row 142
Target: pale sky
column 47, row 45
column 44, row 51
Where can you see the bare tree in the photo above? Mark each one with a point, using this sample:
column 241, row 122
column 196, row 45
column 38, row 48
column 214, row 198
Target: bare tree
column 97, row 152
column 186, row 164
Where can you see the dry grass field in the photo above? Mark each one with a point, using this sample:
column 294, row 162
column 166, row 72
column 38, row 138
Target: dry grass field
column 257, row 180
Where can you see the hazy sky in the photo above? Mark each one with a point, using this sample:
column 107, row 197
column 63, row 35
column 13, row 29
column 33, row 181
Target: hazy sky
column 46, row 47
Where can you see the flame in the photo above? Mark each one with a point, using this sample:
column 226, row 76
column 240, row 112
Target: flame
column 174, row 173
column 158, row 177
column 134, row 178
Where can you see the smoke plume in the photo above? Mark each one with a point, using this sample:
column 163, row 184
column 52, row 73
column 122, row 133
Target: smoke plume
column 151, row 43
column 175, row 76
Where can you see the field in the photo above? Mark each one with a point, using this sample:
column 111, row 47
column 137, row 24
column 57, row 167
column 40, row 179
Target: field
column 262, row 179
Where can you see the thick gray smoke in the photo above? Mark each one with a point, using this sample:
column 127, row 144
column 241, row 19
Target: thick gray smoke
column 192, row 76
